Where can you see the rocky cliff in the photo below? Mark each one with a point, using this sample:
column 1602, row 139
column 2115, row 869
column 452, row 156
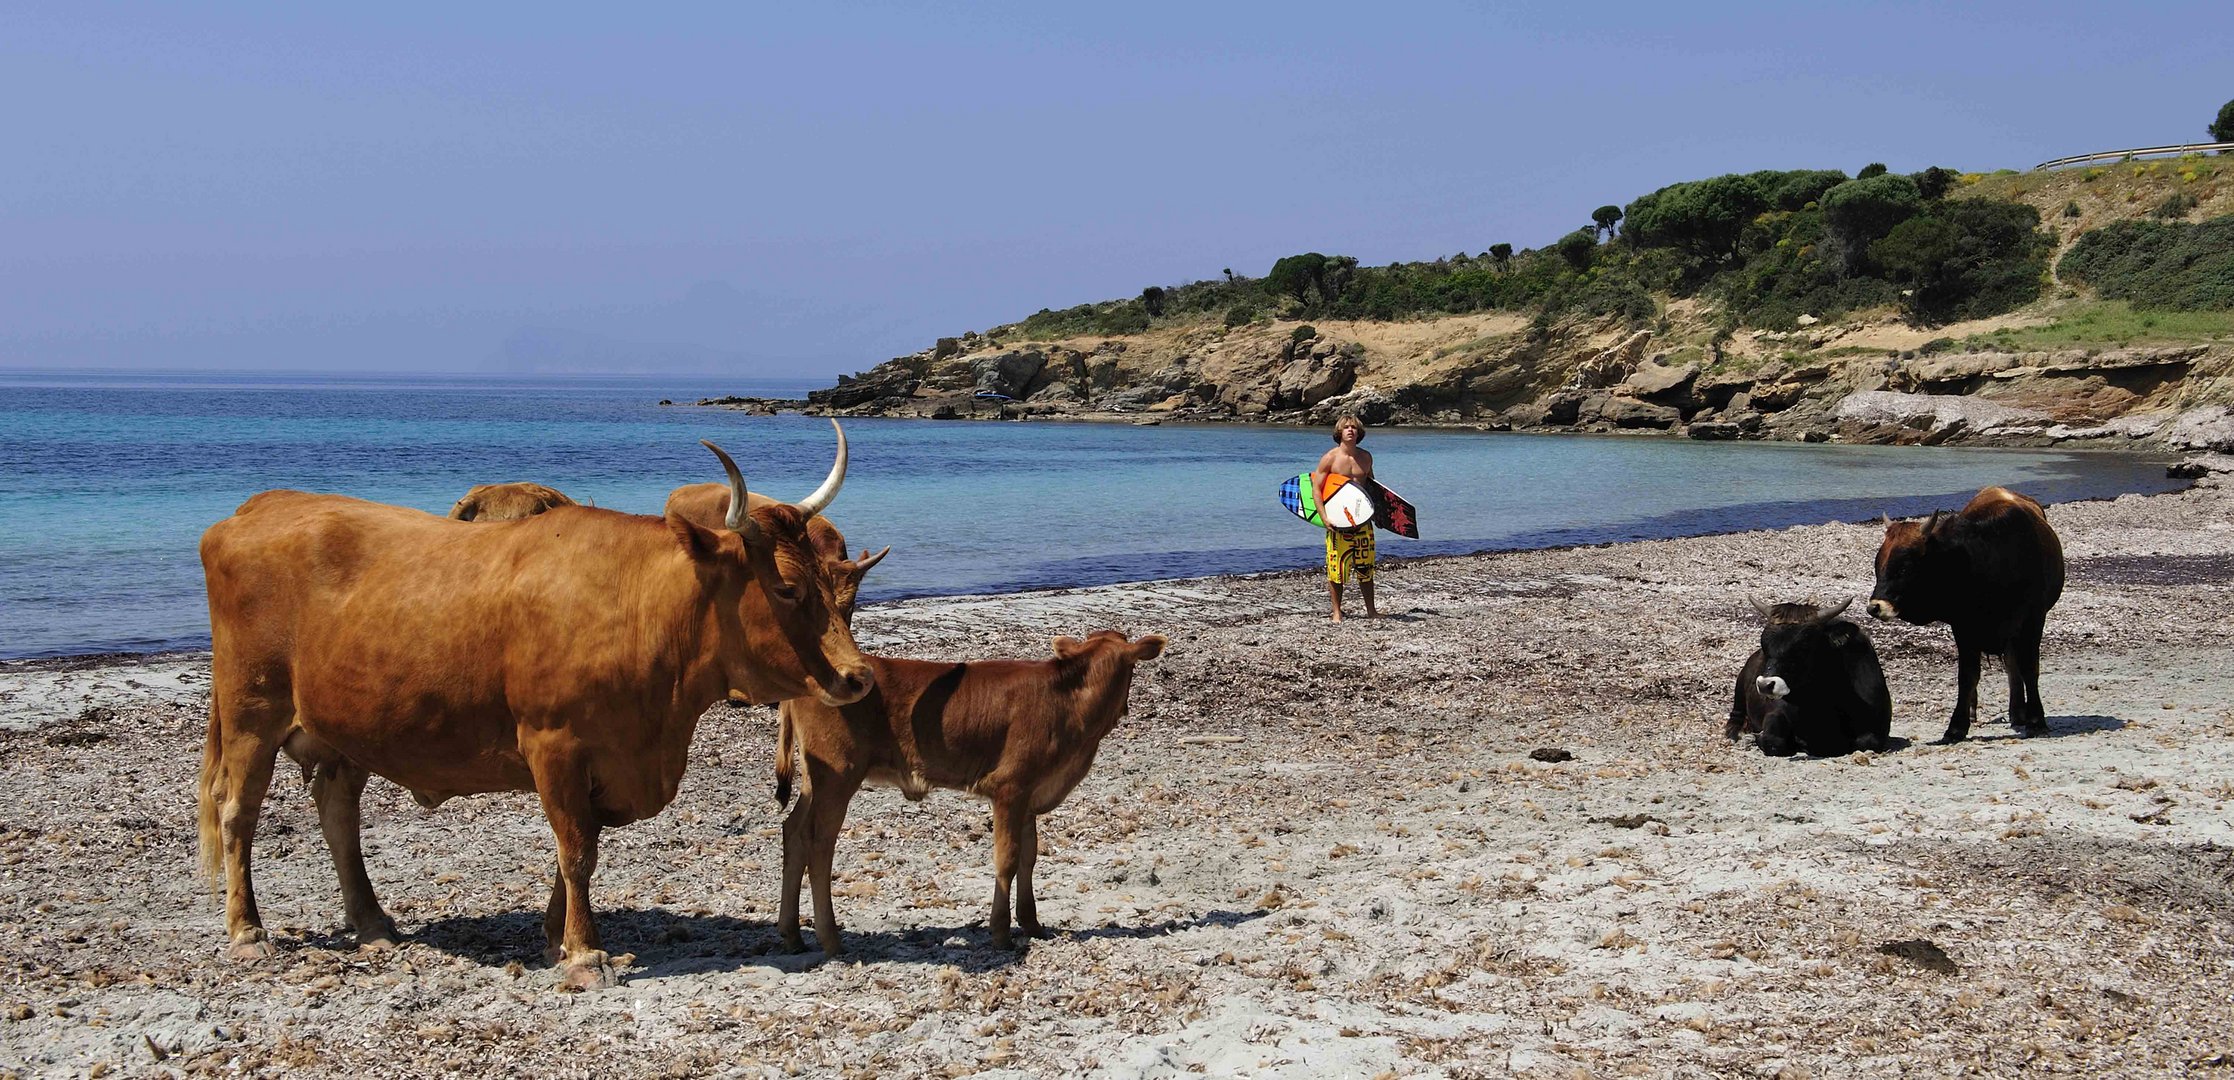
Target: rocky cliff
column 1863, row 382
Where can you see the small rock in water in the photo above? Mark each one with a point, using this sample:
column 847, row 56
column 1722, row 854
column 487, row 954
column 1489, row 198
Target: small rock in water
column 1922, row 953
column 1550, row 753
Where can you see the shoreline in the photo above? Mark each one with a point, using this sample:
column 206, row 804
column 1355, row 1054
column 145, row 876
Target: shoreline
column 1914, row 422
column 68, row 662
column 1363, row 868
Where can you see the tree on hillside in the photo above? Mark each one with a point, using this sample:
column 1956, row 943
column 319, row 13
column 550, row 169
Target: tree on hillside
column 1311, row 274
column 1704, row 217
column 1965, row 259
column 2222, row 129
column 1795, row 189
column 1874, row 168
column 1501, row 254
column 1860, row 211
column 1578, row 248
column 1933, row 183
column 1152, row 298
column 1606, row 217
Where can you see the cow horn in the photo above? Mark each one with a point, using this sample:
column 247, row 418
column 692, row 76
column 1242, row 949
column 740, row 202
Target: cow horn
column 868, row 560
column 1884, row 519
column 1758, row 607
column 1839, row 610
column 736, row 522
column 819, row 500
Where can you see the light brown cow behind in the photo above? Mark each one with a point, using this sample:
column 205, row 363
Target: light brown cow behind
column 1019, row 733
column 511, row 502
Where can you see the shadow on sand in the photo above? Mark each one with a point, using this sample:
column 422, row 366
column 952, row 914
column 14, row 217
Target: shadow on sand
column 668, row 944
column 2059, row 727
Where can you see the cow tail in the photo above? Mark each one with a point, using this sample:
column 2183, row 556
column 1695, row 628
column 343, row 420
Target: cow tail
column 211, row 843
column 783, row 755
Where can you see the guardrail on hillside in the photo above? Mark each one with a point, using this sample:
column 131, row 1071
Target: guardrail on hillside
column 2126, row 155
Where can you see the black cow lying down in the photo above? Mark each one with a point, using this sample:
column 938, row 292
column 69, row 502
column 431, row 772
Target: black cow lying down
column 1813, row 685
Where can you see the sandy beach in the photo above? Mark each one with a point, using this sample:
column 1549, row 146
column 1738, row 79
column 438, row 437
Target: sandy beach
column 1365, row 871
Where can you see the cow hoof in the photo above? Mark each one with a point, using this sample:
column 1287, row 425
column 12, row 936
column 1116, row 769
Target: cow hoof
column 255, row 948
column 380, row 938
column 2031, row 731
column 592, row 971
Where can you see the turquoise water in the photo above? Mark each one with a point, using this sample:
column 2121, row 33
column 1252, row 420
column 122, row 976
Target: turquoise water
column 107, row 481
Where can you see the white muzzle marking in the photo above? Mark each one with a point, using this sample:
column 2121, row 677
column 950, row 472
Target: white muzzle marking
column 1773, row 686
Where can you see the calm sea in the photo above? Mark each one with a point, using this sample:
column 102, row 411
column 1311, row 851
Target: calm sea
column 107, row 481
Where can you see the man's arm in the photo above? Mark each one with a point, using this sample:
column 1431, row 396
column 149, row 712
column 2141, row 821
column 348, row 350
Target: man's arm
column 1319, row 473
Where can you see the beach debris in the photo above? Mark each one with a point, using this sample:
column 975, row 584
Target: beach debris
column 1921, row 952
column 1551, row 753
column 1626, row 821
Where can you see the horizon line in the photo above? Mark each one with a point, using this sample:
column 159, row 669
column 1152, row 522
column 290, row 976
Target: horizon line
column 80, row 369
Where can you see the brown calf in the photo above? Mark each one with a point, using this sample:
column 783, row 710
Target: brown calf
column 1018, row 733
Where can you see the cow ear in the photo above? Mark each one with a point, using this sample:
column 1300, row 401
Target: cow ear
column 699, row 541
column 1149, row 647
column 1841, row 633
column 1067, row 647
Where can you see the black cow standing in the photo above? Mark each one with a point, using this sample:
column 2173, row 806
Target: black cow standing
column 1814, row 685
column 1990, row 572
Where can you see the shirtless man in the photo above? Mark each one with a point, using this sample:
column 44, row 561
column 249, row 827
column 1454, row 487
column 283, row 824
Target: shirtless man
column 1348, row 551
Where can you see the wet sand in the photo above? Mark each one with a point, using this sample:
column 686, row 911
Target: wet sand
column 1374, row 876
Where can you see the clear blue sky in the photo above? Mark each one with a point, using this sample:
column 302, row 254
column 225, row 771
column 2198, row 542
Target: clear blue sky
column 797, row 190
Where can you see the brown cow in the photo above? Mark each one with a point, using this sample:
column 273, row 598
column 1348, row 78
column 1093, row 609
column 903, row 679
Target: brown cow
column 1020, row 733
column 569, row 654
column 1990, row 572
column 509, row 502
column 703, row 503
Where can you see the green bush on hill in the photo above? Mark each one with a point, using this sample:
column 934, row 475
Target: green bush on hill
column 1703, row 218
column 1770, row 246
column 1859, row 212
column 2155, row 264
column 1965, row 259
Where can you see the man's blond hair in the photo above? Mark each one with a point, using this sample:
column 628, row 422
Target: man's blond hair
column 1348, row 420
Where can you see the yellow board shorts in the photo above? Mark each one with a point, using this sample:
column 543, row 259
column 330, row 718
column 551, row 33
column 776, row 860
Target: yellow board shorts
column 1350, row 552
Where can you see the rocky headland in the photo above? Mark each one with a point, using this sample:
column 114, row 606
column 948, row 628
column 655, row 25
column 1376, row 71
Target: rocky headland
column 1773, row 335
column 1863, row 383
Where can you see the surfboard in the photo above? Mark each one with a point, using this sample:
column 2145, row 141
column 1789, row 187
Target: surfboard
column 1387, row 509
column 1391, row 512
column 1343, row 504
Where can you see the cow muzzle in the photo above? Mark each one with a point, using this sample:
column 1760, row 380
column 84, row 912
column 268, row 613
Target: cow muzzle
column 1883, row 610
column 847, row 687
column 1773, row 686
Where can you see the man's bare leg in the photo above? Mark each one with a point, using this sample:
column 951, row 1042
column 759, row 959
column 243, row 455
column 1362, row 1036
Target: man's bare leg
column 1334, row 592
column 1366, row 587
